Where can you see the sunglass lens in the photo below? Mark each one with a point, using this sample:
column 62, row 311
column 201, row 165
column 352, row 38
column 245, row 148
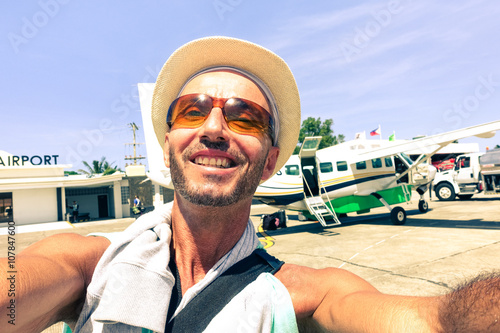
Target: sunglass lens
column 191, row 110
column 246, row 117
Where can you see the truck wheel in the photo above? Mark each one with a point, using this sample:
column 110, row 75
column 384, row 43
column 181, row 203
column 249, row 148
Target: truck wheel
column 465, row 196
column 398, row 216
column 445, row 192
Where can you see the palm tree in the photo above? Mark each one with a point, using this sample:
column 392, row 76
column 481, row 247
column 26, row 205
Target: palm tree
column 99, row 167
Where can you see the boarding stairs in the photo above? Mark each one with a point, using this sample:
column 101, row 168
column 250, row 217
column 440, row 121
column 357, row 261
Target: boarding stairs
column 321, row 211
column 312, row 185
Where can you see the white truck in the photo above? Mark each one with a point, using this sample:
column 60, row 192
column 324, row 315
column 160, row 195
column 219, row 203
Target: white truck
column 463, row 181
column 490, row 171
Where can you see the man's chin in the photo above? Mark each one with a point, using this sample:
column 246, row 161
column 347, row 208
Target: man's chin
column 213, row 194
column 209, row 200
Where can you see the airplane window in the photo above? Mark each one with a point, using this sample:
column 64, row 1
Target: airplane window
column 361, row 165
column 388, row 162
column 341, row 166
column 376, row 163
column 292, row 170
column 326, row 167
column 407, row 158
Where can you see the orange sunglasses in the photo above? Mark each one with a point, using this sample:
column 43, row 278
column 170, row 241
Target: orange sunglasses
column 242, row 116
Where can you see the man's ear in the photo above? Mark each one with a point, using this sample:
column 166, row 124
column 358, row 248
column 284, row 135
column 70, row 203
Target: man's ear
column 272, row 158
column 166, row 155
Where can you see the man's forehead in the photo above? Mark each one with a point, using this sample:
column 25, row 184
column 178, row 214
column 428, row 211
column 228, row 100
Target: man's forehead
column 225, row 84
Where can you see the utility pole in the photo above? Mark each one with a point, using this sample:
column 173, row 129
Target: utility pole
column 134, row 144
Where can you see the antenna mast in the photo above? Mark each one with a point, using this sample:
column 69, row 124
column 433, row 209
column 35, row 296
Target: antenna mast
column 134, row 144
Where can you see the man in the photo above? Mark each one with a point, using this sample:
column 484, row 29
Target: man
column 137, row 202
column 233, row 117
column 137, row 209
column 75, row 208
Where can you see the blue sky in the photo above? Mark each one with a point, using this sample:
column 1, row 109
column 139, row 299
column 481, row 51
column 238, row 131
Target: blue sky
column 69, row 69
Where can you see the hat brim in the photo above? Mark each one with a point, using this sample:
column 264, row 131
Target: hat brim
column 210, row 52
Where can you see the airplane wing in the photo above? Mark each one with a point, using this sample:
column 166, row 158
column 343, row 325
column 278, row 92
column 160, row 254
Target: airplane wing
column 430, row 145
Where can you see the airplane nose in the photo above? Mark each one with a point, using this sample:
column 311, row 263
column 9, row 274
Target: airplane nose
column 431, row 171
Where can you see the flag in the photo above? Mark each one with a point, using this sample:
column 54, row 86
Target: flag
column 376, row 131
column 360, row 135
column 392, row 137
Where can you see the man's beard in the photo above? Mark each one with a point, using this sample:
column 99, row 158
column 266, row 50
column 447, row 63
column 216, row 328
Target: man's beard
column 200, row 194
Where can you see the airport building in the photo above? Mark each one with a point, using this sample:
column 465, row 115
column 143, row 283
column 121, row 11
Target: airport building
column 35, row 189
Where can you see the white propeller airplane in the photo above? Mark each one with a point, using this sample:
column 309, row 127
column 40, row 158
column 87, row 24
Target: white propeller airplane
column 359, row 175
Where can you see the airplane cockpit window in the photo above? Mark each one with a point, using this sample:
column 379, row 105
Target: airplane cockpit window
column 376, row 163
column 341, row 166
column 292, row 170
column 326, row 167
column 361, row 165
column 407, row 158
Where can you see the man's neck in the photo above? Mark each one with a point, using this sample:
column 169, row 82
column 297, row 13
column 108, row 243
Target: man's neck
column 202, row 235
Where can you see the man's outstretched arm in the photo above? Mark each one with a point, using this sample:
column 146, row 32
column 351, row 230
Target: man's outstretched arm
column 334, row 300
column 51, row 280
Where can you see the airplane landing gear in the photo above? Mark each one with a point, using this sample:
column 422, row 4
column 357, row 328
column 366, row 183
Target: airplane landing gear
column 398, row 215
column 423, row 206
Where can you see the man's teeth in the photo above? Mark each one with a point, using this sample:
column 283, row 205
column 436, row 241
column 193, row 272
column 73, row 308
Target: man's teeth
column 212, row 161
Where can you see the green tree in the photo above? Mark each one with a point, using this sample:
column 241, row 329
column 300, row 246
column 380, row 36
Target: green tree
column 497, row 146
column 315, row 127
column 98, row 167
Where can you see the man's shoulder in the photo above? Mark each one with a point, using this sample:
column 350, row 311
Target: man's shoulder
column 308, row 286
column 293, row 271
column 71, row 242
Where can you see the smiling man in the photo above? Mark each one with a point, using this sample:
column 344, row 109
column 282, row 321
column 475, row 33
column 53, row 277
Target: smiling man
column 221, row 162
column 227, row 113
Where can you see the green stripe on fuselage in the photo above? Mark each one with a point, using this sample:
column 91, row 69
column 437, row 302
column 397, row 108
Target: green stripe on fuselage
column 354, row 203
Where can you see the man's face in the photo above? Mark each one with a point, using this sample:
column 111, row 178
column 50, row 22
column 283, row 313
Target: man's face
column 211, row 165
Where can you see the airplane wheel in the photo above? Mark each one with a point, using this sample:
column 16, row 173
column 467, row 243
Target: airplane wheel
column 398, row 216
column 423, row 206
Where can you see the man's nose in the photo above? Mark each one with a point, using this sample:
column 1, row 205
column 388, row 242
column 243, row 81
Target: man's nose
column 215, row 127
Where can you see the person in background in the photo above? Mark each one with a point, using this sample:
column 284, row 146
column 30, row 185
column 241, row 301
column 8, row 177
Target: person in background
column 137, row 202
column 76, row 208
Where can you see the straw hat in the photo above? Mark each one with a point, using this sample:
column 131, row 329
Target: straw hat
column 201, row 54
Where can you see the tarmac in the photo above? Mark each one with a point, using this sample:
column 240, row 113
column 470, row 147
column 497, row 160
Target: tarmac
column 428, row 255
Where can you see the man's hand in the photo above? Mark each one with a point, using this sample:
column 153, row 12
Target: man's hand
column 474, row 306
column 52, row 278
